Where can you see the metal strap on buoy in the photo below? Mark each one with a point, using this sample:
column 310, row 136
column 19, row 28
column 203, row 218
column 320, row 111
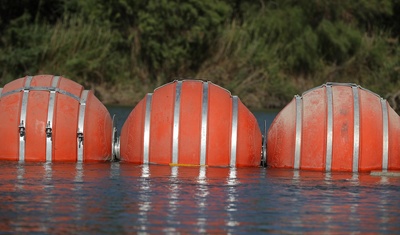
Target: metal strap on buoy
column 194, row 123
column 204, row 124
column 299, row 112
column 22, row 119
column 329, row 137
column 53, row 89
column 329, row 134
column 44, row 118
column 146, row 137
column 339, row 126
column 50, row 115
column 115, row 142
column 43, row 88
column 385, row 135
column 175, row 131
column 234, row 131
column 81, row 124
column 356, row 145
column 264, row 146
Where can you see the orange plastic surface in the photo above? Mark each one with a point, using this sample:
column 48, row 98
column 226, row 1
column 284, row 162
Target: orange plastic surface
column 281, row 138
column 97, row 128
column 218, row 136
column 313, row 143
column 371, row 132
column 36, row 117
column 219, row 126
column 190, row 123
column 162, row 118
column 282, row 133
column 394, row 140
column 343, row 128
column 65, row 126
column 97, row 131
column 132, row 134
column 9, row 120
column 249, row 138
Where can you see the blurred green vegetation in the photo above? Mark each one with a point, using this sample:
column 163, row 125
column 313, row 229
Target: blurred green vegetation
column 263, row 51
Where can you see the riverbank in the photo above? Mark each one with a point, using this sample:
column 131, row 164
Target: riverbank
column 130, row 93
column 265, row 52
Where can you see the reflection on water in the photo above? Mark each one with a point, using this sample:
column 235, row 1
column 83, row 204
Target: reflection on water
column 173, row 200
column 126, row 198
column 231, row 200
column 201, row 199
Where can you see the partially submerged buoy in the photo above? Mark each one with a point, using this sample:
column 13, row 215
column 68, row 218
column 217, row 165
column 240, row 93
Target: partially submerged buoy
column 335, row 127
column 191, row 122
column 51, row 118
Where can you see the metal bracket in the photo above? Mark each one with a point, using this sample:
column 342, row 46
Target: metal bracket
column 80, row 139
column 21, row 128
column 115, row 144
column 49, row 130
column 22, row 118
column 116, row 149
column 264, row 146
column 81, row 125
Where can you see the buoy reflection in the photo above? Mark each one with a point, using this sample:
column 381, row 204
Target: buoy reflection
column 231, row 200
column 202, row 193
column 145, row 203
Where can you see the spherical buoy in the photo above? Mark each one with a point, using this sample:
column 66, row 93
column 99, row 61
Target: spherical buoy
column 191, row 122
column 335, row 127
column 51, row 118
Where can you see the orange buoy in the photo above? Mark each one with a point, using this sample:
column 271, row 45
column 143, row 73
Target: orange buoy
column 51, row 118
column 191, row 122
column 335, row 127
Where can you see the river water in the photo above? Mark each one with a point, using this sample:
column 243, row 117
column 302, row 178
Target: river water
column 120, row 198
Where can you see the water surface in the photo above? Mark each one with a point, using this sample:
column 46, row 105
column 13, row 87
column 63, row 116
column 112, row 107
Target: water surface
column 123, row 198
column 104, row 198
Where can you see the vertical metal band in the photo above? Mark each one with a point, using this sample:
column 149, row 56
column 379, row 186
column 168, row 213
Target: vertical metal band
column 146, row 134
column 49, row 123
column 385, row 124
column 297, row 150
column 234, row 130
column 175, row 132
column 356, row 144
column 204, row 117
column 22, row 120
column 329, row 131
column 81, row 125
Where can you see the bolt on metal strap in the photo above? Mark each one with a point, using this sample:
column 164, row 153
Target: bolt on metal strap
column 22, row 122
column 81, row 124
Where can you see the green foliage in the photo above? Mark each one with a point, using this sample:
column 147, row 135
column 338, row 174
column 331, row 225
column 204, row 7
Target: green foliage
column 338, row 42
column 21, row 47
column 175, row 34
column 264, row 51
column 82, row 50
